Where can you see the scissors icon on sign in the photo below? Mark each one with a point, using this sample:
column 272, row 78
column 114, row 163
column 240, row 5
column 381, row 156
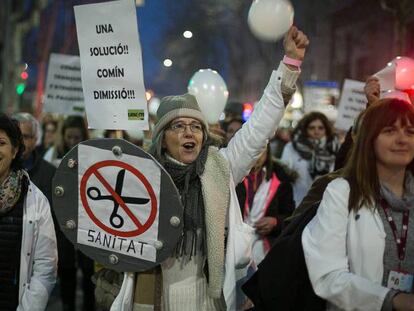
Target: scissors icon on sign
column 118, row 189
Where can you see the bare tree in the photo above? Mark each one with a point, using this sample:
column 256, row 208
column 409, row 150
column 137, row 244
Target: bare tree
column 222, row 40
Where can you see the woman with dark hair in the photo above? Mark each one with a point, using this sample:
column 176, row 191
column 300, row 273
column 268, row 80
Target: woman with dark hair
column 28, row 256
column 72, row 132
column 359, row 248
column 311, row 153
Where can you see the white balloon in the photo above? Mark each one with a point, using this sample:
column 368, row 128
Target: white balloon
column 269, row 20
column 211, row 93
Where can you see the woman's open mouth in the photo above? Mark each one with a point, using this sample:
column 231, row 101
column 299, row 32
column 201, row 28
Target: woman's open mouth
column 189, row 146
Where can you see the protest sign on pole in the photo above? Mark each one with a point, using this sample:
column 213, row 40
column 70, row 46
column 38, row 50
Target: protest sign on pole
column 118, row 202
column 63, row 92
column 125, row 211
column 352, row 102
column 111, row 65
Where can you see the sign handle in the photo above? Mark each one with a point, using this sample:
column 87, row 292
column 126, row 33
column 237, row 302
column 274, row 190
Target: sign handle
column 119, row 134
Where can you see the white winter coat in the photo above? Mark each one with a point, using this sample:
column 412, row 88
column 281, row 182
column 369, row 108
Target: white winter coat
column 241, row 153
column 344, row 252
column 38, row 257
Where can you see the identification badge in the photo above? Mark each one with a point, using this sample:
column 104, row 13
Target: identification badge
column 401, row 281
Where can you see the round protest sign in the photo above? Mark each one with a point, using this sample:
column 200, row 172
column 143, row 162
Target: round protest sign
column 116, row 198
column 117, row 204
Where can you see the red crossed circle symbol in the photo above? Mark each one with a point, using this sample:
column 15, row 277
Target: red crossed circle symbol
column 93, row 170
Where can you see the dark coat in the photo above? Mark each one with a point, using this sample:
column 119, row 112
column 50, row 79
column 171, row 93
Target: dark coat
column 282, row 282
column 41, row 174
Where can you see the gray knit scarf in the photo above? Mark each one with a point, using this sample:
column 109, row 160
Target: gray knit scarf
column 407, row 200
column 319, row 153
column 187, row 180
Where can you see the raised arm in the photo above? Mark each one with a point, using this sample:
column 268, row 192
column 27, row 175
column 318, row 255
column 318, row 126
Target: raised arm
column 247, row 144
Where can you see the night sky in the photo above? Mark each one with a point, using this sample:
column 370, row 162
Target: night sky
column 151, row 23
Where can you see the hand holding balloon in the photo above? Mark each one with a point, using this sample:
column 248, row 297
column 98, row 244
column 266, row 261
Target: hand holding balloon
column 295, row 43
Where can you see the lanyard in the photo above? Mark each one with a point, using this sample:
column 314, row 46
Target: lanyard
column 402, row 240
column 248, row 203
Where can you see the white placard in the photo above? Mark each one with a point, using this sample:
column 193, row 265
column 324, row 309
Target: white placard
column 111, row 63
column 118, row 202
column 352, row 102
column 63, row 93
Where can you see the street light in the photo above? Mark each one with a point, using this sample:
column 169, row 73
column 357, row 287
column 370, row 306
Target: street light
column 20, row 88
column 149, row 94
column 24, row 75
column 187, row 34
column 168, row 62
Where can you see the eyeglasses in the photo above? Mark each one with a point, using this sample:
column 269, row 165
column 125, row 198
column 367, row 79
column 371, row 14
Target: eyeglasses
column 180, row 127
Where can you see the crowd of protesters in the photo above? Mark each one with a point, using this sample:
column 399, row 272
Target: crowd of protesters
column 358, row 246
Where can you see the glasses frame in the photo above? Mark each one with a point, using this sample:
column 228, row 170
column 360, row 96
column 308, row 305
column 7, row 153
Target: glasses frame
column 195, row 128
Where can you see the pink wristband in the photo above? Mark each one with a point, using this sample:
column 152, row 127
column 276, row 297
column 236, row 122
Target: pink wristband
column 292, row 61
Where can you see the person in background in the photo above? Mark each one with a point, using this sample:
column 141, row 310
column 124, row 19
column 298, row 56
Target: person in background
column 266, row 199
column 28, row 255
column 232, row 126
column 232, row 110
column 40, row 171
column 113, row 134
column 72, row 133
column 311, row 153
column 49, row 129
column 359, row 248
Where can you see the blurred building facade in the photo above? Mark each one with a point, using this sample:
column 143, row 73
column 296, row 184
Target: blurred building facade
column 357, row 39
column 349, row 39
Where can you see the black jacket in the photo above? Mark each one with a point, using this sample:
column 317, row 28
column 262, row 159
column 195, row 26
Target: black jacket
column 282, row 280
column 41, row 174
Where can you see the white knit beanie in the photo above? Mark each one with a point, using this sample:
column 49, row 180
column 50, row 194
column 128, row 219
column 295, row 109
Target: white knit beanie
column 180, row 106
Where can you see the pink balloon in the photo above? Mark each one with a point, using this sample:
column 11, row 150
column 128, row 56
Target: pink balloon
column 404, row 74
